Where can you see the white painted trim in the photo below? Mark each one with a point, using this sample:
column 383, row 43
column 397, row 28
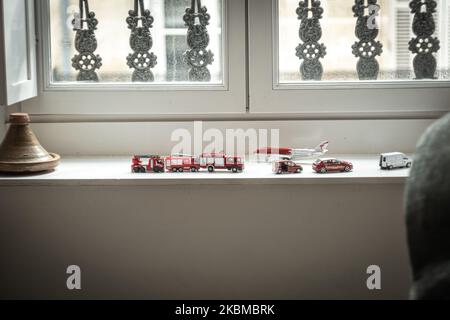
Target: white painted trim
column 236, row 117
column 363, row 84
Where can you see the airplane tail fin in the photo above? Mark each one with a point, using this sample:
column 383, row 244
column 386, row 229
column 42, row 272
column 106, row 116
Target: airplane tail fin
column 322, row 147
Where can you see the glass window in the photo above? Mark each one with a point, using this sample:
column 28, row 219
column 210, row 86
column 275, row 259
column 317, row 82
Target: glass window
column 338, row 35
column 113, row 36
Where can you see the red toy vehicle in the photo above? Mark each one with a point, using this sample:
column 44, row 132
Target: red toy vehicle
column 332, row 165
column 148, row 163
column 182, row 163
column 286, row 166
column 220, row 161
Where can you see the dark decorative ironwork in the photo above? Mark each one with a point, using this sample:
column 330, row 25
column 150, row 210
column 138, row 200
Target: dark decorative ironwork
column 424, row 45
column 86, row 61
column 140, row 21
column 198, row 57
column 310, row 51
column 367, row 48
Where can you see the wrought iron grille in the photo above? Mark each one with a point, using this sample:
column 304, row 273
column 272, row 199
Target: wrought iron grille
column 86, row 61
column 140, row 21
column 196, row 57
column 310, row 50
column 367, row 48
column 424, row 45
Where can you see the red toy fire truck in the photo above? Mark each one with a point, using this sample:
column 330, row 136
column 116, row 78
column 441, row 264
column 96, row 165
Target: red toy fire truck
column 181, row 163
column 147, row 163
column 220, row 161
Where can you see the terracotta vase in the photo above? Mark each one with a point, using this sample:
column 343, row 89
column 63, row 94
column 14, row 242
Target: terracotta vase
column 21, row 152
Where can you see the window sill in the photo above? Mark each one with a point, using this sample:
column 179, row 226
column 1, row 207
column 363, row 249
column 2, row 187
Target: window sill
column 115, row 171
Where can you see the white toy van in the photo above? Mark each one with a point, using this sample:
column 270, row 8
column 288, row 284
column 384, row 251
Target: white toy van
column 394, row 160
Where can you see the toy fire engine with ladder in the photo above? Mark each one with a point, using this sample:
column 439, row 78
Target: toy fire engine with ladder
column 147, row 163
column 186, row 163
column 220, row 161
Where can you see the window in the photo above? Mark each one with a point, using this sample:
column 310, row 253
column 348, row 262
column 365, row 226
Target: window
column 336, row 88
column 338, row 36
column 174, row 92
column 256, row 67
column 17, row 52
column 113, row 36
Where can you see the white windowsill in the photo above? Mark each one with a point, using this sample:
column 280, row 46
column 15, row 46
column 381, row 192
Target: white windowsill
column 116, row 171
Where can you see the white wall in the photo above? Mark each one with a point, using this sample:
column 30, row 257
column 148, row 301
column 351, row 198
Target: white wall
column 203, row 242
column 126, row 138
column 199, row 242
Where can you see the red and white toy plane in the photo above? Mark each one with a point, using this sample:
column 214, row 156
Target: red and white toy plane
column 274, row 154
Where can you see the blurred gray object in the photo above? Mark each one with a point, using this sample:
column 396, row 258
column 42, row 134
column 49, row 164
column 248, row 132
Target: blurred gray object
column 428, row 214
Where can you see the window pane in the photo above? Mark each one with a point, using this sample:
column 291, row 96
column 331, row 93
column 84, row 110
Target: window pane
column 169, row 40
column 177, row 70
column 338, row 35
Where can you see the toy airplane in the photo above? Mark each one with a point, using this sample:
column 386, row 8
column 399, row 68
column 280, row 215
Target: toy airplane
column 273, row 154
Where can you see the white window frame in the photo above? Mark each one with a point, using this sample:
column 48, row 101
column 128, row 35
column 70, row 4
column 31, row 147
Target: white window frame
column 329, row 99
column 143, row 99
column 18, row 79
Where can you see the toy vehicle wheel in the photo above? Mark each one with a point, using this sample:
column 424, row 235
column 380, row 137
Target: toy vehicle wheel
column 390, row 167
column 323, row 170
column 143, row 170
column 235, row 170
column 299, row 170
column 180, row 170
column 210, row 169
column 136, row 170
column 279, row 172
column 193, row 170
column 174, row 170
column 347, row 169
column 408, row 165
